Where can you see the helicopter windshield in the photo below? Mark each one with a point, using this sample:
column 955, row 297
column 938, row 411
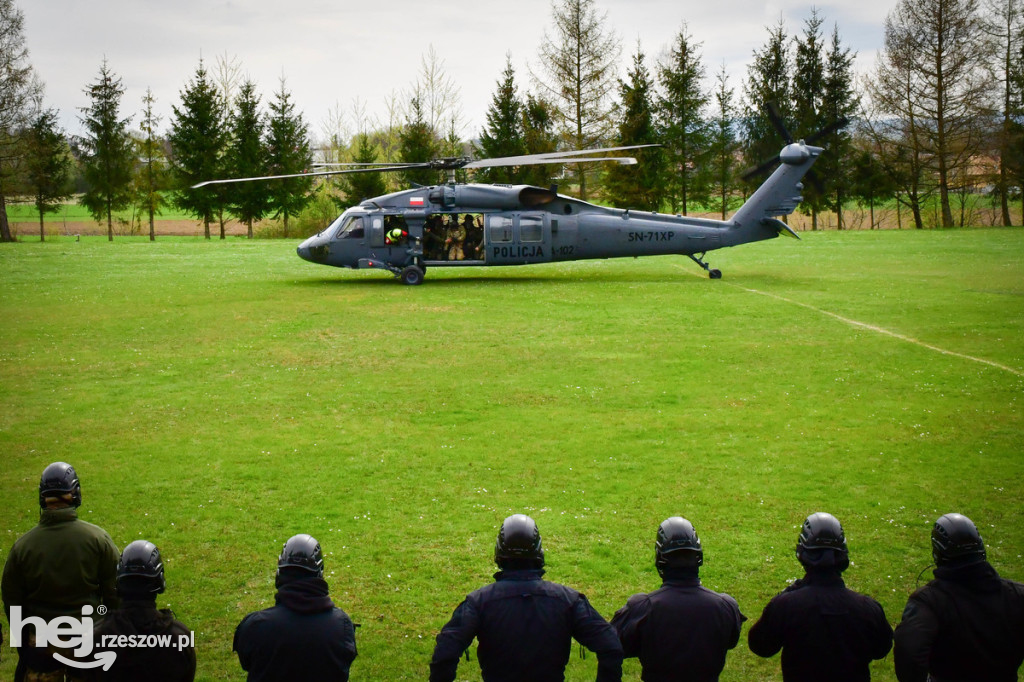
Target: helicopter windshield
column 352, row 229
column 330, row 228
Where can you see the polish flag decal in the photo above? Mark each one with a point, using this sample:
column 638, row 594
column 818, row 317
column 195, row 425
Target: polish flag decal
column 415, row 201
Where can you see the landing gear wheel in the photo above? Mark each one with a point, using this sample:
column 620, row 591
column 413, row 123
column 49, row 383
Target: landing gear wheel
column 715, row 273
column 412, row 275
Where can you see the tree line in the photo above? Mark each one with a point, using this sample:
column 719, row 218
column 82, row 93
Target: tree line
column 938, row 119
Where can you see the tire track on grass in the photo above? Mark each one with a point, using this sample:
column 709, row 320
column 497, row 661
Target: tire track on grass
column 879, row 330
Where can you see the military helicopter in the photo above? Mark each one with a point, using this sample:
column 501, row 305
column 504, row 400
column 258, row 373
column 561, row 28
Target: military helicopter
column 472, row 225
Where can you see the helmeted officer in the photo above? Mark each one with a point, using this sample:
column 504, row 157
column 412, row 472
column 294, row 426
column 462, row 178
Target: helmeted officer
column 683, row 630
column 57, row 568
column 454, row 238
column 472, row 245
column 304, row 636
column 169, row 655
column 524, row 624
column 967, row 623
column 825, row 631
column 395, row 236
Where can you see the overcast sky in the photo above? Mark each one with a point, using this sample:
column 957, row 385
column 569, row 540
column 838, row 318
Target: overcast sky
column 333, row 53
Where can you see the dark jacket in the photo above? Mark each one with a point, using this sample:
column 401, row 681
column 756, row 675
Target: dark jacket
column 967, row 624
column 825, row 631
column 60, row 566
column 681, row 631
column 525, row 626
column 305, row 636
column 172, row 660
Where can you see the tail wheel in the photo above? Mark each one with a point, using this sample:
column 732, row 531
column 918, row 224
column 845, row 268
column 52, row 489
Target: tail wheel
column 412, row 275
column 715, row 273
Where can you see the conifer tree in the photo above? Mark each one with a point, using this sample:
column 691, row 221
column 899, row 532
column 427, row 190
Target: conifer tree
column 151, row 179
column 808, row 91
column 109, row 156
column 503, row 135
column 539, row 137
column 198, row 136
column 247, row 158
column 359, row 186
column 681, row 115
column 641, row 186
column 768, row 80
column 870, row 184
column 839, row 101
column 47, row 165
column 417, row 145
column 288, row 143
column 723, row 143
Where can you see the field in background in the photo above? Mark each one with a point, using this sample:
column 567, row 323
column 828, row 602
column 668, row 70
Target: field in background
column 218, row 397
column 73, row 219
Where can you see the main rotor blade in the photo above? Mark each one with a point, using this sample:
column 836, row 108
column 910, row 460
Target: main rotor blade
column 346, row 164
column 623, row 160
column 399, row 167
column 553, row 157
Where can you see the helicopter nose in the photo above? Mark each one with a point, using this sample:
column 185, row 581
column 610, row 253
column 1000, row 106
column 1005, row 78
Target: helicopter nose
column 313, row 250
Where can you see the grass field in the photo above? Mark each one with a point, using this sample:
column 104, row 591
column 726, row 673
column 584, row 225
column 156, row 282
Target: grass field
column 217, row 398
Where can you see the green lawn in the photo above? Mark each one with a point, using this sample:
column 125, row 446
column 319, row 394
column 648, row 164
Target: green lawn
column 218, row 397
column 27, row 213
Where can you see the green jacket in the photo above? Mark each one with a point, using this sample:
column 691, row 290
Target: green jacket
column 59, row 566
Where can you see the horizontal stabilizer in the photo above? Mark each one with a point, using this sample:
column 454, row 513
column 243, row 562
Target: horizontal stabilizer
column 782, row 227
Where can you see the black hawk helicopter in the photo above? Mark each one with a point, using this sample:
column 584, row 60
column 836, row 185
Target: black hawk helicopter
column 472, row 225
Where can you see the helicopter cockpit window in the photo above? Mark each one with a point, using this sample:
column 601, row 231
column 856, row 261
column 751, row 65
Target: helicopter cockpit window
column 332, row 229
column 499, row 229
column 531, row 228
column 352, row 229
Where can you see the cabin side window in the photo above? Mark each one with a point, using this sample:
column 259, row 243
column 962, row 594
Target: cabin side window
column 531, row 228
column 376, row 231
column 499, row 229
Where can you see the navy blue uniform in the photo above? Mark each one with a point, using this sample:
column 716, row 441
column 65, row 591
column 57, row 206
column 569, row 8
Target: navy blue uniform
column 967, row 624
column 525, row 626
column 305, row 636
column 679, row 632
column 174, row 662
column 825, row 631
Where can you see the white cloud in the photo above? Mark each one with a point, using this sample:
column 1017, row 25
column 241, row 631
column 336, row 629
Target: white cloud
column 335, row 51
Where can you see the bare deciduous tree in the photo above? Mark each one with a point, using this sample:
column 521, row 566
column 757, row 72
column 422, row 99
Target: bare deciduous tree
column 933, row 76
column 20, row 100
column 1004, row 24
column 579, row 75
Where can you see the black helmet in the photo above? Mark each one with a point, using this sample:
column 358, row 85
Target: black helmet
column 59, row 479
column 820, row 532
column 519, row 540
column 677, row 545
column 140, row 569
column 302, row 551
column 955, row 539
